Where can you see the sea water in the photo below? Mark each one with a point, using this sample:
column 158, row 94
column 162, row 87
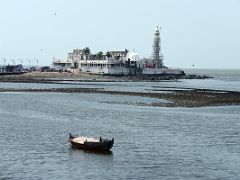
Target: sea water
column 150, row 142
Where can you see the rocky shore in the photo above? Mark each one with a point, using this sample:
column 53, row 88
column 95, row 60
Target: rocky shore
column 176, row 98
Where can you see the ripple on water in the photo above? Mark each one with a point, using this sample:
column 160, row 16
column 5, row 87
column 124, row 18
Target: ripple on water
column 150, row 142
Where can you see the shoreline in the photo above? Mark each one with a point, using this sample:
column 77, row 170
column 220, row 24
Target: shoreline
column 186, row 97
column 50, row 77
column 176, row 98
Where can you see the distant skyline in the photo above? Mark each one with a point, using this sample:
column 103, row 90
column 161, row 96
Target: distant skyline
column 194, row 34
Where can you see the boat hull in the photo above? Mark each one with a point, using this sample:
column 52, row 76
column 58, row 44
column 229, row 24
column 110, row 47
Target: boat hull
column 92, row 146
column 102, row 145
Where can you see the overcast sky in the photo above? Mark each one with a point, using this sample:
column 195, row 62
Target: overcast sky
column 205, row 33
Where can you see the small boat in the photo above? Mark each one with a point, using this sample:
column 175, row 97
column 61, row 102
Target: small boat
column 87, row 143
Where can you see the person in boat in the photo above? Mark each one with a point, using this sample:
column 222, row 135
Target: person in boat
column 100, row 139
column 71, row 136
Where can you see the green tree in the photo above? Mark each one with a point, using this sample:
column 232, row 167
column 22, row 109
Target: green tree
column 87, row 51
column 108, row 54
column 99, row 55
column 126, row 51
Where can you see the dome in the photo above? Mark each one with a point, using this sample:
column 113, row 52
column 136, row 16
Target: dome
column 133, row 56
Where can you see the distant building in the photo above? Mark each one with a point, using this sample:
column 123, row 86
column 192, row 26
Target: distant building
column 61, row 64
column 113, row 64
column 117, row 62
column 11, row 69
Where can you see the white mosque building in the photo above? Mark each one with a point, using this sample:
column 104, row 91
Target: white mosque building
column 118, row 62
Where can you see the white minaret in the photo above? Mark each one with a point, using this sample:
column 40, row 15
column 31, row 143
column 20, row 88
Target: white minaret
column 156, row 49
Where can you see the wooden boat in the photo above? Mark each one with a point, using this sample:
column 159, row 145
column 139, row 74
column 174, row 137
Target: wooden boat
column 86, row 143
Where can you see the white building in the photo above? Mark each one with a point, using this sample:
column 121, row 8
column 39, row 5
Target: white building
column 117, row 62
column 62, row 64
column 113, row 63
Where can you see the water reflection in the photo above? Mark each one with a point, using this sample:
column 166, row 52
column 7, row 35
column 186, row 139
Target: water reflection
column 73, row 150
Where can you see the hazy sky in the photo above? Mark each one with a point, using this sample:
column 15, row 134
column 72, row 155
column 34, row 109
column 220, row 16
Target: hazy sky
column 205, row 33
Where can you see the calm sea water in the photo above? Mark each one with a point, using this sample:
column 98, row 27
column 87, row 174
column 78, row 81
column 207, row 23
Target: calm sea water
column 150, row 142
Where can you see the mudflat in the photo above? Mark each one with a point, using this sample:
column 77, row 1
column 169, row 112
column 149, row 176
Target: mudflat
column 176, row 98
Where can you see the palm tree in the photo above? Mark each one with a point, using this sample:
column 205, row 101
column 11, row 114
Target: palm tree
column 108, row 54
column 126, row 51
column 99, row 55
column 87, row 51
